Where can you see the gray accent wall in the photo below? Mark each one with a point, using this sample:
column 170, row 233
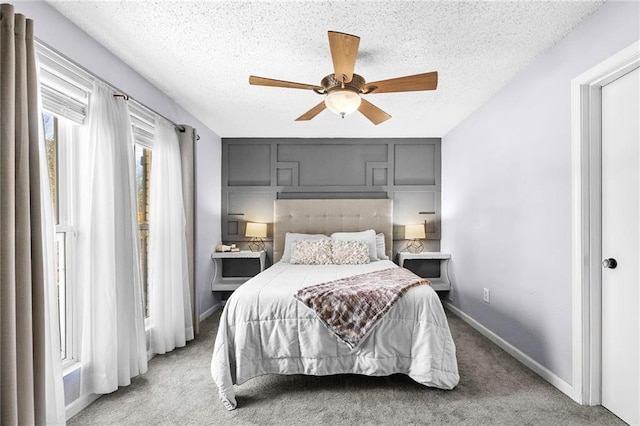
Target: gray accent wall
column 506, row 195
column 257, row 171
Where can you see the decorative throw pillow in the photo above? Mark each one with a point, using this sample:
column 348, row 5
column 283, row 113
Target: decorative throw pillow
column 290, row 238
column 311, row 252
column 350, row 252
column 368, row 236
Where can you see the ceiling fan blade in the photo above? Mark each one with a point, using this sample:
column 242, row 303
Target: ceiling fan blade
column 372, row 112
column 344, row 50
column 262, row 81
column 410, row 83
column 312, row 112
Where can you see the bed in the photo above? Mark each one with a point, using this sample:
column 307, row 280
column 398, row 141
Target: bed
column 265, row 330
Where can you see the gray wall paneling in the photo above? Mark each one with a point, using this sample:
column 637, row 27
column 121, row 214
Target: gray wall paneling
column 257, row 171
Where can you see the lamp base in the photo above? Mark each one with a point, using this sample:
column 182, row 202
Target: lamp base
column 414, row 246
column 256, row 244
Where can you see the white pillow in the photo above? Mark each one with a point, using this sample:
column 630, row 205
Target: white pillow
column 349, row 252
column 312, row 252
column 368, row 236
column 380, row 247
column 291, row 237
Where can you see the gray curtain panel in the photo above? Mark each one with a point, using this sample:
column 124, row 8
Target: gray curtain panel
column 187, row 139
column 22, row 314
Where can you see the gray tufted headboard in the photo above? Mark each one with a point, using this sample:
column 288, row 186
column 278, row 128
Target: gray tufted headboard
column 329, row 216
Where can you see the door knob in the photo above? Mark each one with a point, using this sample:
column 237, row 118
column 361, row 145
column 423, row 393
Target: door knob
column 610, row 263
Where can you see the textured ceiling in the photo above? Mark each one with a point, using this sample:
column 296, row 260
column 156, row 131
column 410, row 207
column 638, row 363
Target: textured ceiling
column 200, row 53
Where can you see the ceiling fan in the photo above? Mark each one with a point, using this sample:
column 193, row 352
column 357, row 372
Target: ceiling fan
column 343, row 88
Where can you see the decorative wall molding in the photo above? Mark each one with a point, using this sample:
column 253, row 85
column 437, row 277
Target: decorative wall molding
column 257, row 171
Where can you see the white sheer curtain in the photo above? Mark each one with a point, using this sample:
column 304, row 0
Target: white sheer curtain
column 170, row 304
column 113, row 347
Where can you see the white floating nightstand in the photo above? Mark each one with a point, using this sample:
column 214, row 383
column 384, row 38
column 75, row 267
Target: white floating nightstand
column 221, row 283
column 441, row 283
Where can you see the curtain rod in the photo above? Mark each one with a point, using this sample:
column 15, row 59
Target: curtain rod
column 119, row 93
column 126, row 97
column 178, row 127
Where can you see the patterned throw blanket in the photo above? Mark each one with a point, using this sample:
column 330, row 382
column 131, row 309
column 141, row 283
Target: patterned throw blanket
column 350, row 307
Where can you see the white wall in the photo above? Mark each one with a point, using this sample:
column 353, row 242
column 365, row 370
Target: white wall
column 506, row 195
column 62, row 35
column 208, row 217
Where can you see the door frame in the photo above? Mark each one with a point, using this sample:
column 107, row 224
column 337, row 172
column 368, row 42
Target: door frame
column 586, row 219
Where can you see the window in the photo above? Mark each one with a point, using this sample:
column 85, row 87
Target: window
column 50, row 124
column 143, row 122
column 65, row 90
column 58, row 135
column 143, row 176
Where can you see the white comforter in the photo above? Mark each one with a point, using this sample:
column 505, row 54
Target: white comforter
column 265, row 330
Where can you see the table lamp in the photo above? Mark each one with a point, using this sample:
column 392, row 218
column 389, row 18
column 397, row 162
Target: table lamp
column 414, row 233
column 256, row 231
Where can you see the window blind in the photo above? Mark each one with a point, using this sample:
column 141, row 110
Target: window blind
column 143, row 122
column 65, row 87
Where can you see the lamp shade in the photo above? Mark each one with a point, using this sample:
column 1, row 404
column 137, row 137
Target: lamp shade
column 342, row 101
column 256, row 230
column 414, row 232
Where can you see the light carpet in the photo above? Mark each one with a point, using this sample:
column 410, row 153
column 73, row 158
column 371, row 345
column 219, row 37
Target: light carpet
column 494, row 388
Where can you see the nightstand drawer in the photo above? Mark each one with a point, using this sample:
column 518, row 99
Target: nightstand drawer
column 232, row 269
column 235, row 268
column 426, row 268
column 431, row 265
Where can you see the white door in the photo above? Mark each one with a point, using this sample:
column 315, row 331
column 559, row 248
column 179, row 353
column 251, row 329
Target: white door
column 621, row 242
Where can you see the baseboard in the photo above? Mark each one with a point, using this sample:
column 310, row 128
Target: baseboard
column 80, row 404
column 525, row 359
column 206, row 314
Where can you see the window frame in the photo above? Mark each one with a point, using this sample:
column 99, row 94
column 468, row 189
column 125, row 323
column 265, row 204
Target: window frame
column 64, row 134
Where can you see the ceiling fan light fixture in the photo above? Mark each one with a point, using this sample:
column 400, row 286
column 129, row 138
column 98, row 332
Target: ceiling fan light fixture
column 342, row 101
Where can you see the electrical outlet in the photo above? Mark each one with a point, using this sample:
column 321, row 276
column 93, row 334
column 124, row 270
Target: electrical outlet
column 485, row 295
